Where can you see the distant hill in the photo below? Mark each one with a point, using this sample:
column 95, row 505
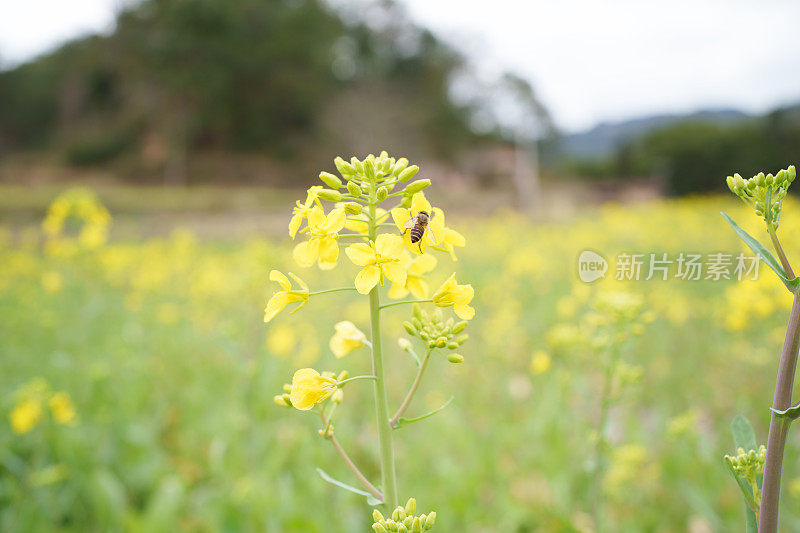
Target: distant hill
column 604, row 139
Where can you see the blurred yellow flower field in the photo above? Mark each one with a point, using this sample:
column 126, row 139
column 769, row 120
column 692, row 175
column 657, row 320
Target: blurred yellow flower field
column 138, row 375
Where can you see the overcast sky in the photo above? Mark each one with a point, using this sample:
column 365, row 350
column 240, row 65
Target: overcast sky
column 589, row 60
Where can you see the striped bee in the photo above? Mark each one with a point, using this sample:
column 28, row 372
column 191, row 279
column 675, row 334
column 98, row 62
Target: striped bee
column 418, row 225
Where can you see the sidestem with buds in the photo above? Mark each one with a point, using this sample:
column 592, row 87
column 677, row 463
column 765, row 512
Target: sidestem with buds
column 779, row 426
column 388, row 475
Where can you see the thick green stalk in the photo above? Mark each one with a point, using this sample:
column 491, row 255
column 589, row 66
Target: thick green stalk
column 388, row 476
column 779, row 426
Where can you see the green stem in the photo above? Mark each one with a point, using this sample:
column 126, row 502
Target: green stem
column 356, row 378
column 384, row 306
column 349, row 462
column 779, row 249
column 359, row 235
column 600, row 446
column 411, row 391
column 388, row 474
column 778, row 426
column 338, row 289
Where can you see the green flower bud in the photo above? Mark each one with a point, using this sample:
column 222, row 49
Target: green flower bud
column 280, row 399
column 330, row 195
column 391, row 525
column 400, row 166
column 386, row 168
column 369, row 169
column 378, row 528
column 416, row 525
column 431, row 520
column 376, row 515
column 358, row 165
column 343, row 375
column 408, row 173
column 401, row 528
column 382, row 193
column 458, row 328
column 410, row 329
column 330, row 180
column 416, row 186
column 354, row 189
column 731, row 183
column 344, row 168
column 791, row 173
column 287, row 388
column 452, row 346
column 396, row 514
column 408, row 520
column 411, row 506
column 441, row 342
column 462, row 338
column 455, row 358
column 352, row 208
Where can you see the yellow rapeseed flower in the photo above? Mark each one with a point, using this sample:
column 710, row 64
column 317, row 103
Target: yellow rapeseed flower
column 323, row 233
column 300, row 212
column 62, row 408
column 380, row 258
column 401, row 215
column 346, row 339
column 360, row 223
column 25, row 416
column 286, row 295
column 458, row 296
column 310, row 388
column 540, row 362
column 415, row 281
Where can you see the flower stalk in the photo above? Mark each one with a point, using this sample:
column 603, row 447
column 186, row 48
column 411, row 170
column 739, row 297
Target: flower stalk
column 388, row 470
column 411, row 391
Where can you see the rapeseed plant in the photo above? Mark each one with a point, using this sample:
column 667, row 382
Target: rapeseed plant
column 381, row 251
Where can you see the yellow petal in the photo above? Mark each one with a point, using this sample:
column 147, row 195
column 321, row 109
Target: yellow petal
column 395, row 272
column 328, row 253
column 299, row 281
column 357, row 226
column 306, row 253
column 389, row 246
column 436, row 226
column 418, row 287
column 453, row 237
column 464, row 311
column 400, row 216
column 316, row 216
column 367, row 278
column 422, row 265
column 313, row 192
column 397, row 291
column 335, row 220
column 360, row 253
column 282, row 280
column 420, row 203
column 275, row 305
column 294, row 225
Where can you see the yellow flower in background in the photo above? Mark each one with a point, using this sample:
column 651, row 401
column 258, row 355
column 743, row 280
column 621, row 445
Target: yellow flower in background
column 380, row 259
column 310, row 388
column 458, row 296
column 359, row 223
column 346, row 339
column 300, row 212
column 434, row 234
column 62, row 408
column 540, row 362
column 323, row 233
column 286, row 295
column 52, row 282
column 415, row 281
column 84, row 205
column 25, row 416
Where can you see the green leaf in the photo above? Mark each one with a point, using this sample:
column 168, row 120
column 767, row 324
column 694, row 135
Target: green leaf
column 406, row 421
column 759, row 249
column 792, row 413
column 371, row 500
column 743, row 435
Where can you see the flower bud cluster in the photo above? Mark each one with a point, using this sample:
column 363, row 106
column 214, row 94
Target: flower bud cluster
column 436, row 332
column 763, row 193
column 361, row 177
column 748, row 465
column 403, row 520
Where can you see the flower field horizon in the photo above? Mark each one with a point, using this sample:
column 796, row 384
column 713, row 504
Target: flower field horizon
column 138, row 377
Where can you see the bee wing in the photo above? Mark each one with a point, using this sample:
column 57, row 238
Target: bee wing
column 410, row 223
column 430, row 236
